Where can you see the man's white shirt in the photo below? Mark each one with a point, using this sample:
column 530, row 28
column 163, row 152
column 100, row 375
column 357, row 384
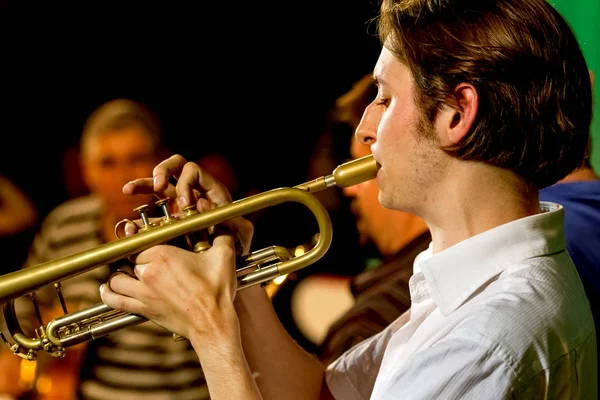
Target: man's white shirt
column 500, row 315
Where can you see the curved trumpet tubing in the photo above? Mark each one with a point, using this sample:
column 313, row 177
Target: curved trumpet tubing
column 100, row 320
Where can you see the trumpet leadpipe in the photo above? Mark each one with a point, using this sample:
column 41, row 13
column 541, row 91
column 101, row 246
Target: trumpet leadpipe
column 258, row 267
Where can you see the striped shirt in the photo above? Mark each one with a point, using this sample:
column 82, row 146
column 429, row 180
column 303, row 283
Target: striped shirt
column 138, row 362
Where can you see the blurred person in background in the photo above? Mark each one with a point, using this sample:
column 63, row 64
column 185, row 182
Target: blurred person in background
column 121, row 141
column 17, row 212
column 381, row 292
column 219, row 166
column 18, row 218
column 579, row 194
column 362, row 305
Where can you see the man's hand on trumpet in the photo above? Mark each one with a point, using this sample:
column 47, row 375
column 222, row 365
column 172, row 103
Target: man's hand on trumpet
column 193, row 185
column 189, row 293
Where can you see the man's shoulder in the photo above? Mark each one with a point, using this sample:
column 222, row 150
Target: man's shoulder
column 536, row 310
column 538, row 287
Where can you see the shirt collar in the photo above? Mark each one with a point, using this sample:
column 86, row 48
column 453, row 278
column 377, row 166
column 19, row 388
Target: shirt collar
column 457, row 272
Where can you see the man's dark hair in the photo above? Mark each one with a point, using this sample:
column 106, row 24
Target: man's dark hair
column 533, row 84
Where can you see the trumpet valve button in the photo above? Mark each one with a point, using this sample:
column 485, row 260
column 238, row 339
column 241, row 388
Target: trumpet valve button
column 162, row 202
column 143, row 211
column 164, row 206
column 190, row 210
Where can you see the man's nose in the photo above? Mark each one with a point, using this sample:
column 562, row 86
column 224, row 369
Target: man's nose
column 366, row 131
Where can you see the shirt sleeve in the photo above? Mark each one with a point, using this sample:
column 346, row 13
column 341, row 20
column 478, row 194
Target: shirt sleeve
column 352, row 376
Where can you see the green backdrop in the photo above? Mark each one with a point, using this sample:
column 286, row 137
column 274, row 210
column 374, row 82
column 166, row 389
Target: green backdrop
column 584, row 17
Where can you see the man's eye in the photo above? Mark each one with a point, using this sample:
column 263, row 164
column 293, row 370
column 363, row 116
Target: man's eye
column 382, row 102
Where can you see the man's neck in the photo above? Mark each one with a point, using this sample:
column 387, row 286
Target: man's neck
column 478, row 197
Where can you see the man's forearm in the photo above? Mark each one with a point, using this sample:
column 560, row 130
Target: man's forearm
column 281, row 367
column 226, row 370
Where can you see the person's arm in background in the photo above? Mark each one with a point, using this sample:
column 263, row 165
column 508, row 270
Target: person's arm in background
column 17, row 211
column 193, row 295
column 17, row 214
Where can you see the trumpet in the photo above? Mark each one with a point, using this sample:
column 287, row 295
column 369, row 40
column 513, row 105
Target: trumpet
column 99, row 320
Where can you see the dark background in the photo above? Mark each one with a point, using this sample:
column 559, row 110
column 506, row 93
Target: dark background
column 251, row 80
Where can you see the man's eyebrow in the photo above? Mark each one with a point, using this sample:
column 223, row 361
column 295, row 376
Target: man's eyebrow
column 377, row 81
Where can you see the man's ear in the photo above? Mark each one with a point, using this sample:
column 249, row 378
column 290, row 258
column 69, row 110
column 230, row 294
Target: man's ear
column 458, row 116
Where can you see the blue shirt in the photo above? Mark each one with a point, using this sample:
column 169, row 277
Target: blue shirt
column 581, row 201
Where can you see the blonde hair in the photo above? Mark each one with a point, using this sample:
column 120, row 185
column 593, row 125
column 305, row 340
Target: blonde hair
column 118, row 114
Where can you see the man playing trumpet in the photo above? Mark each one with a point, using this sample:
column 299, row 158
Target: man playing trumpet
column 480, row 104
